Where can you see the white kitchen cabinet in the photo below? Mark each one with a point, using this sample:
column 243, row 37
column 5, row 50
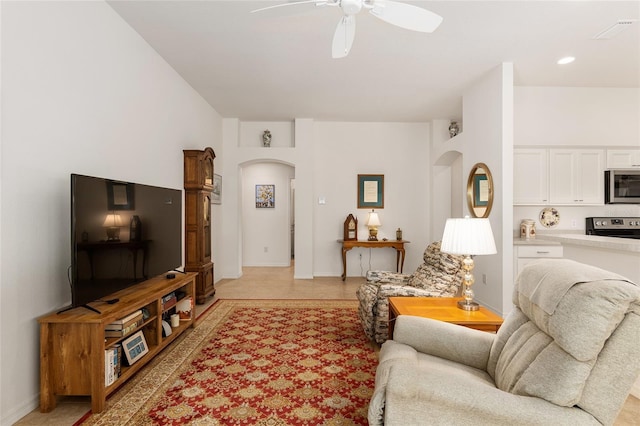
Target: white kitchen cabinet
column 623, row 158
column 530, row 173
column 525, row 254
column 576, row 176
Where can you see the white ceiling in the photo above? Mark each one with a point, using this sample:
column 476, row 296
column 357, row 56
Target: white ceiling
column 276, row 65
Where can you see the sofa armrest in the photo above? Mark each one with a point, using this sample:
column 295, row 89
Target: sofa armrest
column 386, row 277
column 444, row 340
column 416, row 395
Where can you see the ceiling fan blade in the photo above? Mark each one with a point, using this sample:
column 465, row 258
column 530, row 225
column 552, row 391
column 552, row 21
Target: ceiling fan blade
column 316, row 2
column 343, row 37
column 406, row 16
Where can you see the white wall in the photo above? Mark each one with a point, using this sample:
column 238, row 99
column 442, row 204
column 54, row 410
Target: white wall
column 327, row 157
column 488, row 116
column 400, row 152
column 83, row 93
column 583, row 116
column 487, row 138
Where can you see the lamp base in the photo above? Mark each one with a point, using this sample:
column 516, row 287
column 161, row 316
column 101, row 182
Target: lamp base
column 468, row 306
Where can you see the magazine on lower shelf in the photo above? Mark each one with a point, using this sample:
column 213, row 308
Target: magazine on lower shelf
column 112, row 359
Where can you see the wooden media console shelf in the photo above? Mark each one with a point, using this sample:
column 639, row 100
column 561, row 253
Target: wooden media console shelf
column 73, row 342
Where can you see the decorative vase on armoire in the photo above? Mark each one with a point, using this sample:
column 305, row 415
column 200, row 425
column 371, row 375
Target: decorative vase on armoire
column 198, row 184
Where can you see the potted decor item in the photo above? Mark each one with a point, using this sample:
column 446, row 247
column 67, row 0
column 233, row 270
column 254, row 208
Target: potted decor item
column 454, row 129
column 266, row 138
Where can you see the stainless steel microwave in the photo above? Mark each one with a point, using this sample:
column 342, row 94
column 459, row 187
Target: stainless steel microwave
column 622, row 186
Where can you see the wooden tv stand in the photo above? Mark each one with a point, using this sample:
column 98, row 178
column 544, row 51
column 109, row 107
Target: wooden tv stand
column 73, row 342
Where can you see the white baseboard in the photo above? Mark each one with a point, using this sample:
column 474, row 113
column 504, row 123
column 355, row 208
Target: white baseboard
column 16, row 413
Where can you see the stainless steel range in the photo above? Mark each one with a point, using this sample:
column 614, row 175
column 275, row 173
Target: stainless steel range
column 622, row 227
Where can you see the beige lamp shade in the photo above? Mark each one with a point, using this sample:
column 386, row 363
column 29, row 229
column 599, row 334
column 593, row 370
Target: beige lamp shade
column 373, row 220
column 468, row 236
column 112, row 220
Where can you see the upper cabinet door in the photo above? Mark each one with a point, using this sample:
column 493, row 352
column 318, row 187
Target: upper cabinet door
column 623, row 159
column 576, row 176
column 530, row 184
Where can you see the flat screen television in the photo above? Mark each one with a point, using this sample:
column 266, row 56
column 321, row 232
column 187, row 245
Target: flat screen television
column 122, row 233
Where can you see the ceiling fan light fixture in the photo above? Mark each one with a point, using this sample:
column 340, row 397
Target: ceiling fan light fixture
column 396, row 13
column 351, row 7
column 566, row 60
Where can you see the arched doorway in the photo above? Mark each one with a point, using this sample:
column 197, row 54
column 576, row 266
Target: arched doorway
column 267, row 213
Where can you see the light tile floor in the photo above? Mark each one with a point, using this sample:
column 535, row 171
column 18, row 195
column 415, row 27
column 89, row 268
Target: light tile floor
column 263, row 283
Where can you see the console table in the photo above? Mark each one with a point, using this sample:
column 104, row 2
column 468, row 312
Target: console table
column 132, row 246
column 395, row 244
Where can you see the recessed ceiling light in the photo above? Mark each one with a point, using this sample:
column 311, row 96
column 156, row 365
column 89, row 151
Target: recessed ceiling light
column 566, row 60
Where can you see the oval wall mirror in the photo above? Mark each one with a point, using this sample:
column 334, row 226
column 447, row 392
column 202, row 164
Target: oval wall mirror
column 480, row 190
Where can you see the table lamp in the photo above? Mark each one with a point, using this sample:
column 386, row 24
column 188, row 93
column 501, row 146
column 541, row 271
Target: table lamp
column 468, row 237
column 113, row 222
column 373, row 221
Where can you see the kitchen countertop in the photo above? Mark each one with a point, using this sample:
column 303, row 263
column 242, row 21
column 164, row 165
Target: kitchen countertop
column 517, row 241
column 612, row 243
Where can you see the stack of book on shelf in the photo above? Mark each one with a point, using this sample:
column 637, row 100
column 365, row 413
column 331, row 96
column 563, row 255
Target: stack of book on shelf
column 124, row 326
column 169, row 301
column 112, row 364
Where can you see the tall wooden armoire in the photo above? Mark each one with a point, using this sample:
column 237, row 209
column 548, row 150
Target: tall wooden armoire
column 198, row 184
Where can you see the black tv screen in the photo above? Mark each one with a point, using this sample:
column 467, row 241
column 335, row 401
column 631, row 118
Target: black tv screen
column 122, row 233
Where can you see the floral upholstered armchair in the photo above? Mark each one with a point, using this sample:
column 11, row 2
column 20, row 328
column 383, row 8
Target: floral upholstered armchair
column 440, row 275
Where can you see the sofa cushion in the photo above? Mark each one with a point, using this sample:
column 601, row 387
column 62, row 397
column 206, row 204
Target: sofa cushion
column 441, row 272
column 532, row 364
column 579, row 313
column 550, row 343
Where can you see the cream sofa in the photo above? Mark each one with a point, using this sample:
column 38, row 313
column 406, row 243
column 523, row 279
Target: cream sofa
column 567, row 354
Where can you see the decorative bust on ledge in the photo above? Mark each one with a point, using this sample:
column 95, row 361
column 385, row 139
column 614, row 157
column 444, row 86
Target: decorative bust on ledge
column 266, row 138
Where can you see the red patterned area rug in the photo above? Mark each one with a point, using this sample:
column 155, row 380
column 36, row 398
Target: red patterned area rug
column 256, row 362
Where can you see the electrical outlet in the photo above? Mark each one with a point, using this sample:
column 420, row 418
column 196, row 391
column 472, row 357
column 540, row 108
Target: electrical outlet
column 484, row 278
column 266, row 249
column 574, row 223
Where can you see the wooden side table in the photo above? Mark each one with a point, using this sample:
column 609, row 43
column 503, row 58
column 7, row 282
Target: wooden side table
column 442, row 309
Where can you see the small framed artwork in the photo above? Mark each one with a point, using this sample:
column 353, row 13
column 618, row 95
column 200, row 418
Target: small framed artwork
column 480, row 190
column 134, row 347
column 370, row 191
column 265, row 196
column 119, row 195
column 216, row 193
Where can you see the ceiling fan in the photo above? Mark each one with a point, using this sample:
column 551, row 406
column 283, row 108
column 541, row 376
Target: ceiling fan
column 400, row 14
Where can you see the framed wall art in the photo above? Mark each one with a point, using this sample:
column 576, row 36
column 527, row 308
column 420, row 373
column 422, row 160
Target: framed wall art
column 480, row 190
column 216, row 193
column 265, row 196
column 370, row 191
column 119, row 196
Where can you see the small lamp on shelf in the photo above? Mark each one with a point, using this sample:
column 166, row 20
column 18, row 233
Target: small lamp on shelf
column 468, row 237
column 373, row 221
column 113, row 223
